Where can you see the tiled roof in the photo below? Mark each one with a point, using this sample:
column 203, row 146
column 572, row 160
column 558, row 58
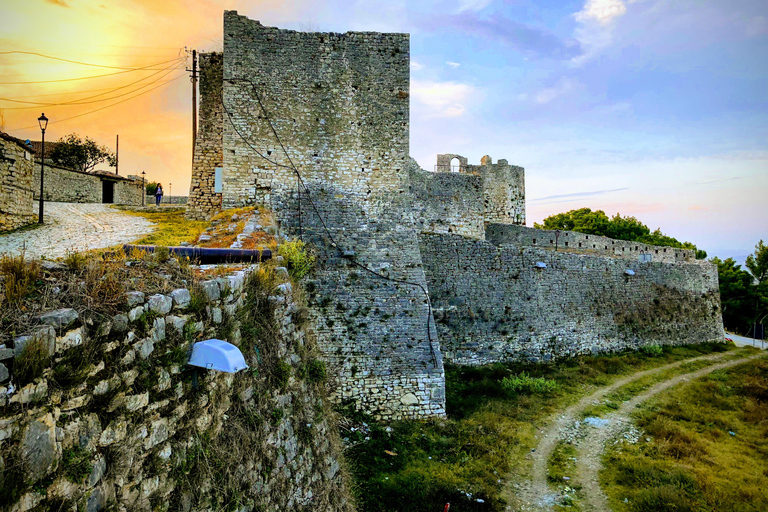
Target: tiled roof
column 19, row 142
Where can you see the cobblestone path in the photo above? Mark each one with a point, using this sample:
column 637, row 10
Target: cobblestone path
column 75, row 227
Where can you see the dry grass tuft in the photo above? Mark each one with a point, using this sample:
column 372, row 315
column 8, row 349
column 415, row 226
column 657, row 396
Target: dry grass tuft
column 19, row 276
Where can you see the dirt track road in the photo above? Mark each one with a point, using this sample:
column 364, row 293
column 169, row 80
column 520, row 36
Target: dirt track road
column 536, row 495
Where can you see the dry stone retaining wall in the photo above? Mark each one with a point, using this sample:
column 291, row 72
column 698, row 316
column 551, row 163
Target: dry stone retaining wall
column 498, row 303
column 119, row 422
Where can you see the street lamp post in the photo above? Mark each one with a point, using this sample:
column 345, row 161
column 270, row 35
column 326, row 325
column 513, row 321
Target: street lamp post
column 170, row 192
column 143, row 187
column 557, row 238
column 43, row 121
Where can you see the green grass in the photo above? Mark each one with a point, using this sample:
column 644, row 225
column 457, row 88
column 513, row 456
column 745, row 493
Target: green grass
column 708, row 448
column 490, row 430
column 171, row 227
column 562, row 463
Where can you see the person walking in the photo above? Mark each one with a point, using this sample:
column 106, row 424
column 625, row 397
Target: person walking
column 158, row 194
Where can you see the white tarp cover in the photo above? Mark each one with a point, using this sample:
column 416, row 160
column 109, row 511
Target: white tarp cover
column 217, row 355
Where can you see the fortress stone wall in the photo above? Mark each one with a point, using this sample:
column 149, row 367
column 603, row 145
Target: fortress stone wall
column 339, row 104
column 335, row 108
column 581, row 243
column 204, row 202
column 16, row 173
column 498, row 303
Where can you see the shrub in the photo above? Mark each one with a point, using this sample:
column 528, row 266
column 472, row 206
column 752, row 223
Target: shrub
column 300, row 259
column 652, row 350
column 525, row 384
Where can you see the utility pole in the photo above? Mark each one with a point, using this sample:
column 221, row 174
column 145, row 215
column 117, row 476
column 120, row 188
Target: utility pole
column 117, row 155
column 194, row 101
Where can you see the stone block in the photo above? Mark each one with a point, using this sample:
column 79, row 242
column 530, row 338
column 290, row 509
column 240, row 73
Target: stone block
column 181, row 298
column 211, row 289
column 160, row 304
column 39, row 449
column 120, row 323
column 134, row 298
column 158, row 329
column 70, row 339
column 144, row 348
column 135, row 313
column 176, row 322
column 60, row 319
column 135, row 402
column 4, row 375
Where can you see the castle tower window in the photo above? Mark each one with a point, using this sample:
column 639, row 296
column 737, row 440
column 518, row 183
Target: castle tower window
column 551, row 241
column 566, row 244
column 534, row 241
column 579, row 244
column 657, row 251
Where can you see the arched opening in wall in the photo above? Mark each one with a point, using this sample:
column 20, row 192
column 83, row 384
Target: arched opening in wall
column 455, row 165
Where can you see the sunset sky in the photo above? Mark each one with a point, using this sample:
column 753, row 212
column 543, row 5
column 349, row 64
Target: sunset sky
column 651, row 108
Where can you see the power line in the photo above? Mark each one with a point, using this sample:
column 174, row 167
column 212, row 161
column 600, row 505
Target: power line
column 80, row 100
column 148, row 68
column 68, row 60
column 107, row 106
column 300, row 180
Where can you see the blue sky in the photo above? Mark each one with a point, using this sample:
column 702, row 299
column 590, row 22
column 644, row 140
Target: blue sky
column 651, row 108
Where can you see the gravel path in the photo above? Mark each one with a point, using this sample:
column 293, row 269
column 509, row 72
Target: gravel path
column 75, row 227
column 535, row 493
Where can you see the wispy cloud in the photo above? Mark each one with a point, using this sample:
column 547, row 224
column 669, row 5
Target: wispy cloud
column 442, row 99
column 717, row 181
column 562, row 88
column 473, row 5
column 415, row 66
column 576, row 195
column 604, row 12
column 60, row 3
column 453, row 64
column 528, row 40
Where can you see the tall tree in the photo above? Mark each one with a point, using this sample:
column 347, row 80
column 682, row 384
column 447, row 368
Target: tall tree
column 737, row 295
column 84, row 155
column 584, row 220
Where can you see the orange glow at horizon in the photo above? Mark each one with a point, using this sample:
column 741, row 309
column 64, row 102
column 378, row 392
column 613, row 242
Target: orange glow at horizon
column 155, row 127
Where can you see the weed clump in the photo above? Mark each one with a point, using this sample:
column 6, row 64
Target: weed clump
column 33, row 360
column 76, row 463
column 652, row 350
column 20, row 276
column 525, row 384
column 299, row 258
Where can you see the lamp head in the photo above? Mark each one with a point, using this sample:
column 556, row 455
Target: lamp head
column 43, row 122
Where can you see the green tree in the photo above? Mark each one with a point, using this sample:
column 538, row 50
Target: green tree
column 628, row 228
column 757, row 263
column 151, row 188
column 737, row 295
column 84, row 155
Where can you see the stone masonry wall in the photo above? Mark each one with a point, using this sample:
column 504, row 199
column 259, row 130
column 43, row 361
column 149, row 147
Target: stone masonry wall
column 447, row 203
column 493, row 304
column 502, row 193
column 69, row 186
column 16, row 171
column 120, row 422
column 339, row 103
column 581, row 243
column 203, row 201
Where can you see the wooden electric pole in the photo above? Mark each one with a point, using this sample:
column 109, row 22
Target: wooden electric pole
column 117, row 155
